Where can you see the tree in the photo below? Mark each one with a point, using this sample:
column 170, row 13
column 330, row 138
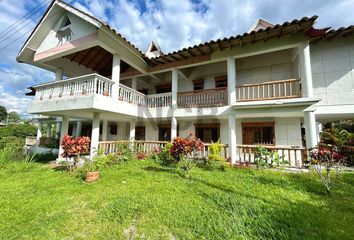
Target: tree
column 14, row 117
column 3, row 114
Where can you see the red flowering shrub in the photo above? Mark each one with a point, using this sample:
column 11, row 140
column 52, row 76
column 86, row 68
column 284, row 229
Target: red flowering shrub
column 73, row 147
column 325, row 159
column 140, row 155
column 185, row 146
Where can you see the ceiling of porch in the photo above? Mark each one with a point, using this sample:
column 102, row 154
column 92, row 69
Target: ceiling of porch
column 97, row 59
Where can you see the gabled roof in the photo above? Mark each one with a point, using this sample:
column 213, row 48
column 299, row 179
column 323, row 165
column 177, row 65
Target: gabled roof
column 74, row 10
column 153, row 48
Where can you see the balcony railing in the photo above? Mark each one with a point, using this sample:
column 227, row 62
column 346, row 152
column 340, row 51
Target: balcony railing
column 78, row 86
column 127, row 94
column 203, row 98
column 159, row 100
column 269, row 90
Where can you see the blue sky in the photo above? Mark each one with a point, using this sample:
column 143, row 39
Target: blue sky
column 172, row 24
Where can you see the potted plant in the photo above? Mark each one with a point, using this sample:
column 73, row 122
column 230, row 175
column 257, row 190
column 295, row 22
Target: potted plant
column 74, row 147
column 92, row 171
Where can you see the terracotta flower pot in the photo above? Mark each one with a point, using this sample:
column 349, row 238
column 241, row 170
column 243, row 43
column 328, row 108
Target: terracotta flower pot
column 92, row 176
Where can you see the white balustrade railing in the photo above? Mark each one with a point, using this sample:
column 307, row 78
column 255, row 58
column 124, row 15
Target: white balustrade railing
column 159, row 100
column 203, row 98
column 78, row 86
column 130, row 95
column 280, row 89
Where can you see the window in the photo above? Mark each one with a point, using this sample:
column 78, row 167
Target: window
column 113, row 129
column 198, row 84
column 164, row 132
column 163, row 88
column 140, row 133
column 208, row 132
column 221, row 82
column 258, row 133
column 65, row 22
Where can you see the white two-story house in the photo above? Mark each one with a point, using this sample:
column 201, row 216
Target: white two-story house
column 269, row 86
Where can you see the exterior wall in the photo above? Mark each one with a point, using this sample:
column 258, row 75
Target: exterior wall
column 78, row 27
column 333, row 71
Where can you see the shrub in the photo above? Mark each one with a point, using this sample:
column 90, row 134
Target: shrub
column 187, row 147
column 215, row 160
column 124, row 151
column 74, row 147
column 162, row 156
column 15, row 142
column 267, row 158
column 18, row 130
column 337, row 137
column 323, row 161
column 45, row 157
column 140, row 155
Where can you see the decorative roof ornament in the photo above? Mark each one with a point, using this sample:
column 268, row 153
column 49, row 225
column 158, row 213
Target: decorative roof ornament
column 153, row 50
column 260, row 24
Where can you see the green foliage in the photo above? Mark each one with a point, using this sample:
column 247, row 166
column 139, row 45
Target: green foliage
column 13, row 117
column 338, row 137
column 18, row 130
column 16, row 142
column 3, row 114
column 215, row 160
column 185, row 165
column 45, row 157
column 7, row 154
column 162, row 156
column 267, row 158
column 124, row 151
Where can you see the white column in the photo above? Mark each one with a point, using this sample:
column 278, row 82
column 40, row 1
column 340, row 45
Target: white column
column 59, row 74
column 232, row 139
column 173, row 128
column 319, row 129
column 115, row 75
column 132, row 130
column 63, row 131
column 39, row 132
column 57, row 129
column 174, row 88
column 95, row 134
column 104, row 130
column 134, row 83
column 78, row 128
column 49, row 130
column 310, row 129
column 231, row 80
column 305, row 68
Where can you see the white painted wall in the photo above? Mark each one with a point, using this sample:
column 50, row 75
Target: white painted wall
column 78, row 26
column 333, row 71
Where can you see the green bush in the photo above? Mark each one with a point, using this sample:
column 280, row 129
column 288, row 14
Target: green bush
column 18, row 130
column 15, row 142
column 162, row 156
column 45, row 157
column 215, row 160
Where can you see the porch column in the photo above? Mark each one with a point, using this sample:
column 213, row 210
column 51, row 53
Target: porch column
column 63, row 131
column 305, row 68
column 57, row 129
column 173, row 128
column 174, row 88
column 59, row 74
column 134, row 83
column 95, row 134
column 104, row 130
column 232, row 138
column 49, row 130
column 39, row 132
column 319, row 129
column 132, row 130
column 231, row 80
column 310, row 129
column 78, row 128
column 115, row 75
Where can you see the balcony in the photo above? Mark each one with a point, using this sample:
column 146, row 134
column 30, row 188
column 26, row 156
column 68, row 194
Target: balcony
column 95, row 84
column 281, row 89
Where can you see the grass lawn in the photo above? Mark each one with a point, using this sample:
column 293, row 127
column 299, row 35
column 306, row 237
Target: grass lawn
column 142, row 200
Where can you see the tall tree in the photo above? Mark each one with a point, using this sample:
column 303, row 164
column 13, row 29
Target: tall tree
column 14, row 117
column 3, row 113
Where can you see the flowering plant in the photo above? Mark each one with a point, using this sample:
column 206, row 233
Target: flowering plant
column 325, row 159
